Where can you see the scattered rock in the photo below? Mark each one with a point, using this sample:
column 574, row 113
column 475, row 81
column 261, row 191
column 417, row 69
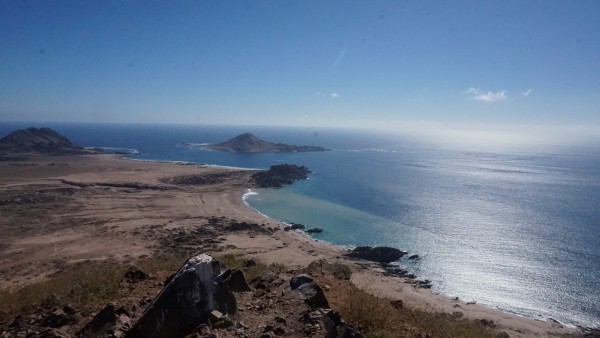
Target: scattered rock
column 337, row 328
column 58, row 319
column 108, row 320
column 398, row 303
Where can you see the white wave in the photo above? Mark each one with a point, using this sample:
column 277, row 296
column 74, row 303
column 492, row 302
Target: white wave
column 248, row 193
column 374, row 150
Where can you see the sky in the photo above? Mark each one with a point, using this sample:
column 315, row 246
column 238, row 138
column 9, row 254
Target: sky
column 379, row 64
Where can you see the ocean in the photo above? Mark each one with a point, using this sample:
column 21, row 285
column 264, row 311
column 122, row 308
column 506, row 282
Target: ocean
column 515, row 228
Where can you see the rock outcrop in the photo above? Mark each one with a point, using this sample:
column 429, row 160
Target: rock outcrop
column 197, row 289
column 379, row 254
column 280, row 175
column 42, row 140
column 248, row 143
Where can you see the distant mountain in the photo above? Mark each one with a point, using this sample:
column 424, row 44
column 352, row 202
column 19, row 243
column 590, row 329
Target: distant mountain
column 43, row 140
column 248, row 143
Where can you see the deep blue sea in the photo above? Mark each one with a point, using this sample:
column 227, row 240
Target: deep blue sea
column 515, row 227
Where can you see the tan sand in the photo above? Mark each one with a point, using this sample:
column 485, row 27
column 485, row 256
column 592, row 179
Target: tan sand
column 59, row 210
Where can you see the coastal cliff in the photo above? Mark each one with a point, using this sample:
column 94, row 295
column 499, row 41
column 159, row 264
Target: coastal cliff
column 248, row 143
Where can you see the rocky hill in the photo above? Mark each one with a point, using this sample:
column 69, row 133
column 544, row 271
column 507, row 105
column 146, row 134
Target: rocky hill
column 42, row 140
column 248, row 143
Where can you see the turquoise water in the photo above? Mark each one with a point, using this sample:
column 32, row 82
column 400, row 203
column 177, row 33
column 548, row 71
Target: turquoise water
column 515, row 228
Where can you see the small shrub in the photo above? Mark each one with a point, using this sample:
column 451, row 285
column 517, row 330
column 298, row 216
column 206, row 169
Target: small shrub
column 375, row 317
column 251, row 271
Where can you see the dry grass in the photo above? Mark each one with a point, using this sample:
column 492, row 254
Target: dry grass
column 80, row 285
column 376, row 318
column 251, row 271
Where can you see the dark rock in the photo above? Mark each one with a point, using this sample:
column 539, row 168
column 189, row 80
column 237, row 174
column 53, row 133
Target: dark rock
column 502, row 335
column 105, row 322
column 249, row 262
column 296, row 281
column 69, row 310
column 336, row 327
column 280, row 175
column 380, row 254
column 268, row 328
column 413, row 257
column 184, row 303
column 279, row 331
column 314, row 231
column 235, row 280
column 280, row 320
column 296, row 226
column 308, row 291
column 18, row 323
column 398, row 303
column 135, row 274
column 58, row 319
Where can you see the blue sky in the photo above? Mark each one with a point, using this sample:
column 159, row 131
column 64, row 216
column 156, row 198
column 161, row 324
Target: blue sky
column 307, row 63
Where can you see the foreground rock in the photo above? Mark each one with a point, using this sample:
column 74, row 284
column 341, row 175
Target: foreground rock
column 43, row 141
column 187, row 300
column 248, row 143
column 280, row 175
column 380, row 254
column 303, row 287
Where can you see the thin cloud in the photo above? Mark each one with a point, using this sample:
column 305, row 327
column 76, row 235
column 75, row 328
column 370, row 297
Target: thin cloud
column 490, row 96
column 526, row 93
column 339, row 57
column 335, row 95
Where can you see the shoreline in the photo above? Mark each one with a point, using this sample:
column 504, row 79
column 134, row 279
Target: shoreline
column 130, row 221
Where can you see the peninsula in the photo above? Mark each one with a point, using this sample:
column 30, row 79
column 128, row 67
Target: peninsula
column 39, row 141
column 248, row 143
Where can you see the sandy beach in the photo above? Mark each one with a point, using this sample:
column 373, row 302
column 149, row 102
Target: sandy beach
column 60, row 210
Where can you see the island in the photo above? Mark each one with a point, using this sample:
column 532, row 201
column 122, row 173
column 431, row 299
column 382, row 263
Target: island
column 248, row 143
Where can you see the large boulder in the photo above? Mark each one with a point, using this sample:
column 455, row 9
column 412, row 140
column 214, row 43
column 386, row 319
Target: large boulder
column 305, row 289
column 381, row 254
column 187, row 300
